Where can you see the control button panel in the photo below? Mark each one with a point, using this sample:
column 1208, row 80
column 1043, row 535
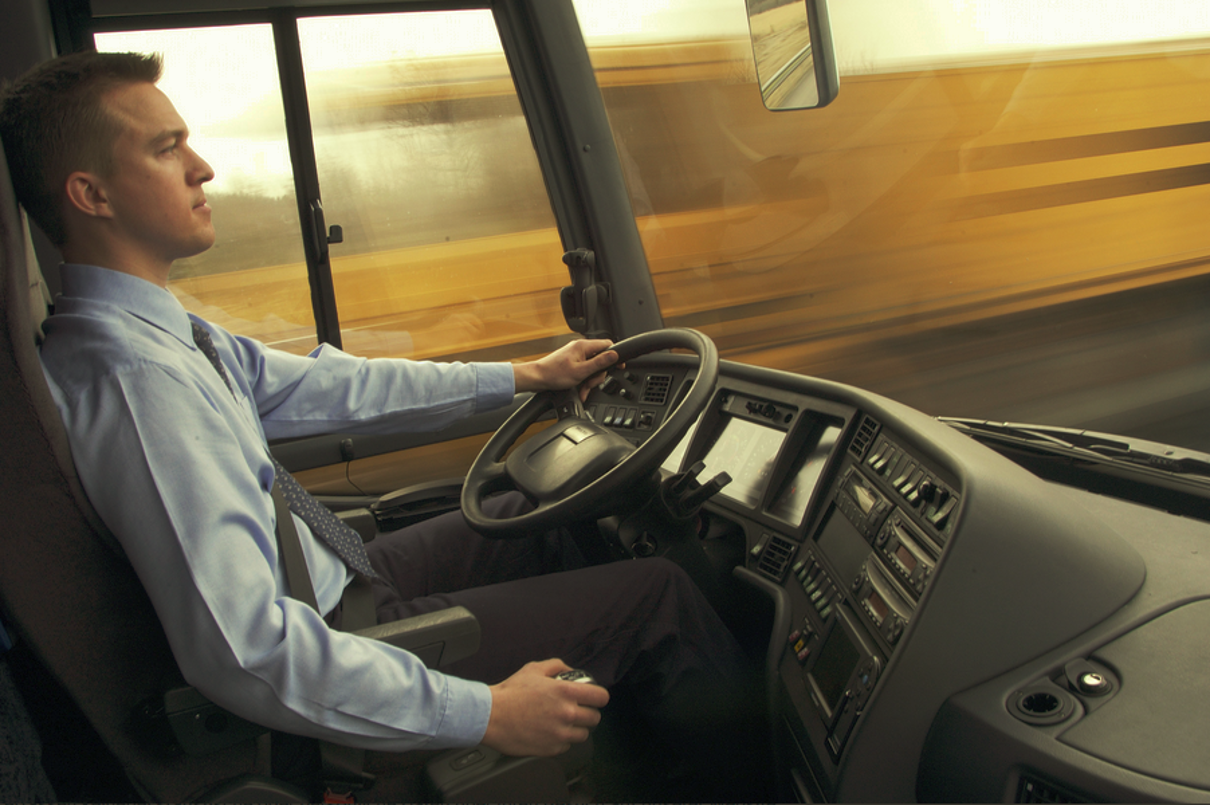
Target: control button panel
column 822, row 593
column 624, row 417
column 631, row 403
column 906, row 552
column 917, row 487
column 803, row 641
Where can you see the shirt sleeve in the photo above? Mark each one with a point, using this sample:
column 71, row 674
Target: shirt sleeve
column 331, row 391
column 167, row 467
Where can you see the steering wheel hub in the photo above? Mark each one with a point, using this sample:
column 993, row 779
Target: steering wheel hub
column 565, row 457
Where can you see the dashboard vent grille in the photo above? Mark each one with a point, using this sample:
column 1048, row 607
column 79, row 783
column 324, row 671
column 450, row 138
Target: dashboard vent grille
column 1032, row 789
column 655, row 390
column 864, row 436
column 776, row 557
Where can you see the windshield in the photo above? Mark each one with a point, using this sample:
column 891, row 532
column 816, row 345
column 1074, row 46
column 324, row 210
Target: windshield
column 1001, row 216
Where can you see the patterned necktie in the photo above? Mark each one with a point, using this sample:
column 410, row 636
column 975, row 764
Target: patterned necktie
column 328, row 527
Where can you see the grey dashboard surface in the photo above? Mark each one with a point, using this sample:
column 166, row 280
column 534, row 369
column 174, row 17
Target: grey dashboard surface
column 1159, row 723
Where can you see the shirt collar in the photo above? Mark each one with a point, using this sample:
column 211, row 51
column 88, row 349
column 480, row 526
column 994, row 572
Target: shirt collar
column 138, row 297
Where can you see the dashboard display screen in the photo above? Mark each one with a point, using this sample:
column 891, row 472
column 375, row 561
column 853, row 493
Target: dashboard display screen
column 837, row 659
column 745, row 451
column 791, row 504
column 877, row 607
column 843, row 544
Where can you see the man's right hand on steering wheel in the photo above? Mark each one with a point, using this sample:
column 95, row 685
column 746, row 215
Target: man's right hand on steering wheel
column 577, row 363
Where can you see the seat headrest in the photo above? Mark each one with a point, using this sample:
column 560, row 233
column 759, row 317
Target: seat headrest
column 39, row 296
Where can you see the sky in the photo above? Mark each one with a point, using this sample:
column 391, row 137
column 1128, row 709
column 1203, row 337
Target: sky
column 868, row 34
column 884, row 35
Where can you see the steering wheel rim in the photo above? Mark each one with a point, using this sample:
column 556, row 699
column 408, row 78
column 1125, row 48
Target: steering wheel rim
column 490, row 474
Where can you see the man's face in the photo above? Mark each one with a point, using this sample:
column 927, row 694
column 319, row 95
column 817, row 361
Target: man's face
column 155, row 189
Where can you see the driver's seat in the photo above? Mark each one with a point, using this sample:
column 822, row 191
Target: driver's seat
column 73, row 601
column 79, row 613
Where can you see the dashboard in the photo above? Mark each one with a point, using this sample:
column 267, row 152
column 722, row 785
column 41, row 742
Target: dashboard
column 947, row 625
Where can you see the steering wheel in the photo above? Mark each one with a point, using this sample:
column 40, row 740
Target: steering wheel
column 576, row 468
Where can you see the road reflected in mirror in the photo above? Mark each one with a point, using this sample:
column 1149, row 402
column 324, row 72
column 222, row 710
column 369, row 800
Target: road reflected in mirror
column 785, row 58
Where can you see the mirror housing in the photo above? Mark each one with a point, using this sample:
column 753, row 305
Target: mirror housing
column 792, row 46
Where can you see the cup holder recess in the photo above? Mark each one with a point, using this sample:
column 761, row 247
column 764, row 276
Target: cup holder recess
column 1042, row 704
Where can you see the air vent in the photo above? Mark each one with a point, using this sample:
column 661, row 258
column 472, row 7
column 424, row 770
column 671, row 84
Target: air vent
column 1031, row 789
column 864, row 437
column 655, row 390
column 776, row 557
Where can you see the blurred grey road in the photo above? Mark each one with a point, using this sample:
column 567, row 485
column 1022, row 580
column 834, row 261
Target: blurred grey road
column 1135, row 363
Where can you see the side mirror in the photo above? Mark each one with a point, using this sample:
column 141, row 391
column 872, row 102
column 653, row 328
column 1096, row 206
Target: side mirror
column 795, row 61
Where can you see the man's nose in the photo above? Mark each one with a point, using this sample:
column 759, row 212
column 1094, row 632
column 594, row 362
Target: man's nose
column 201, row 170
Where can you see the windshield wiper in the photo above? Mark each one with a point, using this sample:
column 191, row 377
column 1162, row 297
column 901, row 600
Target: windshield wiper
column 1089, row 445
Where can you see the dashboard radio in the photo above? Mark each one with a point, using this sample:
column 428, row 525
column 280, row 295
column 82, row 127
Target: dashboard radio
column 906, row 553
column 881, row 602
column 862, row 503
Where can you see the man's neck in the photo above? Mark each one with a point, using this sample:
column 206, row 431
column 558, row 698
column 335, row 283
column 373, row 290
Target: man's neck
column 154, row 271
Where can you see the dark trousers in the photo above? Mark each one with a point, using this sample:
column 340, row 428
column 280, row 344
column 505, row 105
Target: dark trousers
column 640, row 622
column 642, row 628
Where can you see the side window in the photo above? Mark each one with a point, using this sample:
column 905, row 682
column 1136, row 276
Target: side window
column 450, row 248
column 424, row 160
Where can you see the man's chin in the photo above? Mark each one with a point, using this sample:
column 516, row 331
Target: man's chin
column 200, row 245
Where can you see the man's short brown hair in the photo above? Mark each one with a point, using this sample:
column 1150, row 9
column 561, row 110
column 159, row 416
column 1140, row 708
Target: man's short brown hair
column 52, row 123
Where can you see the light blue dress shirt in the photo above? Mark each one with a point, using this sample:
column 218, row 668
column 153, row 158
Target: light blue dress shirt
column 179, row 470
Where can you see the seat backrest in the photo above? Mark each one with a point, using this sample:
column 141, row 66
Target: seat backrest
column 69, row 595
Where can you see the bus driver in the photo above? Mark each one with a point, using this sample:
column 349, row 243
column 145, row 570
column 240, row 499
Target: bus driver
column 172, row 448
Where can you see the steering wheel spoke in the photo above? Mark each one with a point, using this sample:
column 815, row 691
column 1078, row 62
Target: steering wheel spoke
column 576, row 468
column 496, row 478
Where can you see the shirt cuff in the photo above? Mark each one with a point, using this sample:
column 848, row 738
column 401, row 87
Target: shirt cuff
column 496, row 386
column 468, row 708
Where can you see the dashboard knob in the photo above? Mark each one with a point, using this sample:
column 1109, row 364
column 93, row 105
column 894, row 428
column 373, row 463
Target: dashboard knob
column 1093, row 684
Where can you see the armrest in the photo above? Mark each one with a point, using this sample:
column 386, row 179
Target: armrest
column 418, row 502
column 361, row 520
column 397, row 509
column 436, row 638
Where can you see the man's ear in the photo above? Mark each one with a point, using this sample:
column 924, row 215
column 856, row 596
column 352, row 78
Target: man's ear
column 87, row 193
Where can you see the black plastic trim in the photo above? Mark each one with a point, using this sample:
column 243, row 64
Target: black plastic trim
column 306, row 174
column 579, row 159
